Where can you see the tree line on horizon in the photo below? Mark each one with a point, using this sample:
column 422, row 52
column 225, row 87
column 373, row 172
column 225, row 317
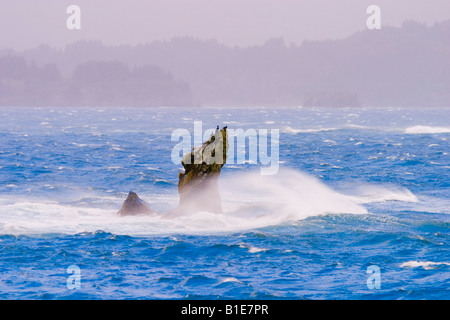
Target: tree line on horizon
column 404, row 67
column 94, row 83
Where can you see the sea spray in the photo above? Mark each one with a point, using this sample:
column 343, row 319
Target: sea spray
column 289, row 195
column 250, row 201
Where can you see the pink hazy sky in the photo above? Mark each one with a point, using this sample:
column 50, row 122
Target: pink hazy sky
column 27, row 23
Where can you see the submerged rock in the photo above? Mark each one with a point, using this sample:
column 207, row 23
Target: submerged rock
column 198, row 183
column 134, row 205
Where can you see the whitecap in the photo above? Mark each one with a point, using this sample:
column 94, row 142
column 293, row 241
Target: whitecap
column 230, row 279
column 291, row 130
column 252, row 249
column 330, row 142
column 427, row 265
column 80, row 145
column 255, row 249
column 368, row 193
column 426, row 130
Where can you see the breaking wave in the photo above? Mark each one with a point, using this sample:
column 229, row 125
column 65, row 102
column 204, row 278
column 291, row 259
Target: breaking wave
column 426, row 130
column 250, row 201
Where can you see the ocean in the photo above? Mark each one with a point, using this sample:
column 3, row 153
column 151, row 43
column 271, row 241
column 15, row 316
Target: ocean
column 359, row 208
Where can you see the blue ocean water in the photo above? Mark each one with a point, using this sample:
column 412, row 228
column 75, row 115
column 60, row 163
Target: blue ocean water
column 357, row 188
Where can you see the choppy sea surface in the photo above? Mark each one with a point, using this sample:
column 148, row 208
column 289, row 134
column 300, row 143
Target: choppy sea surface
column 359, row 209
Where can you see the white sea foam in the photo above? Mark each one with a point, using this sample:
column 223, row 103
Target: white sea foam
column 426, row 130
column 250, row 201
column 355, row 126
column 427, row 265
column 291, row 130
column 330, row 142
column 81, row 145
column 252, row 249
column 230, row 279
column 114, row 168
column 368, row 193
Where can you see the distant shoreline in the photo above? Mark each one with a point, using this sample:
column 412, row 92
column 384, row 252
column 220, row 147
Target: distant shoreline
column 405, row 66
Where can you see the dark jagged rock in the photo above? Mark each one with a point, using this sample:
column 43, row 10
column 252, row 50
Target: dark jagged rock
column 134, row 205
column 198, row 186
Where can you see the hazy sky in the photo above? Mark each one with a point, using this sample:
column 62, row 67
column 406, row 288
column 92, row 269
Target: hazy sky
column 28, row 23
